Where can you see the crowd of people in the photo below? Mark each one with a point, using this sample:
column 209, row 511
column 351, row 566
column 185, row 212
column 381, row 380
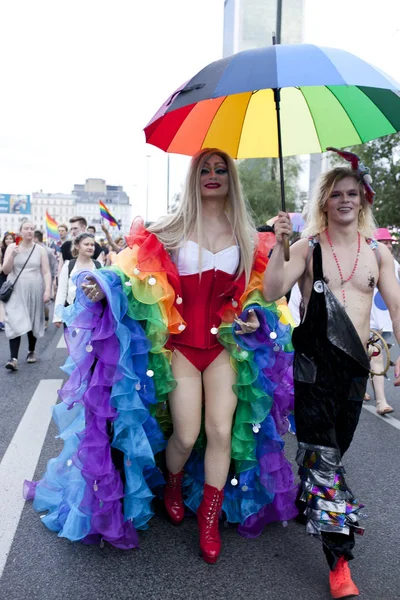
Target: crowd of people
column 29, row 307
column 186, row 363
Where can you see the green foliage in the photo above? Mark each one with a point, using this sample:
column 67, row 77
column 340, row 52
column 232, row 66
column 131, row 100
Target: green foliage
column 261, row 185
column 382, row 156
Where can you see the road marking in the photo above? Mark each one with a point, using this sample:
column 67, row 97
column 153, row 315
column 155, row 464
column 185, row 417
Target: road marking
column 20, row 460
column 61, row 342
column 388, row 419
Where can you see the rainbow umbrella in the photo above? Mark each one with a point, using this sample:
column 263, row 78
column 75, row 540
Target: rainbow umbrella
column 328, row 97
column 278, row 101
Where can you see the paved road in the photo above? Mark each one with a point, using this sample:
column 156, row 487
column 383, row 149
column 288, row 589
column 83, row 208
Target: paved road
column 282, row 564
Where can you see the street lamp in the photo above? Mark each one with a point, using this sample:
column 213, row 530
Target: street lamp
column 147, row 186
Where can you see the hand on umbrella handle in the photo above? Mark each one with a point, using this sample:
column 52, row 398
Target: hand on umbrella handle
column 286, row 248
column 283, row 230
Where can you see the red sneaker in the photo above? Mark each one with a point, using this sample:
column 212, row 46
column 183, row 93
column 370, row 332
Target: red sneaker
column 340, row 581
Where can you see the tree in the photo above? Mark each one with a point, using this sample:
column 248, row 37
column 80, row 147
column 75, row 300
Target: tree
column 261, row 185
column 382, row 156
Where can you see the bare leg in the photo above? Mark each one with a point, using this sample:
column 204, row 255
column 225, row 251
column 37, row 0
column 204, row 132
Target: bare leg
column 185, row 404
column 378, row 382
column 220, row 401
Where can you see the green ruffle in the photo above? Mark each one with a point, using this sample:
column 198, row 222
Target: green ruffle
column 254, row 404
column 157, row 333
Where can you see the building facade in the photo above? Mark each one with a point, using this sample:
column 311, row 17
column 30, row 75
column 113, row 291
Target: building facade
column 88, row 196
column 83, row 201
column 59, row 206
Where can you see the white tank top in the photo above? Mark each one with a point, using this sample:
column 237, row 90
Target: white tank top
column 187, row 259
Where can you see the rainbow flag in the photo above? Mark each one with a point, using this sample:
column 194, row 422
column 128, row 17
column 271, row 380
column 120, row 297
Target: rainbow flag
column 51, row 227
column 105, row 214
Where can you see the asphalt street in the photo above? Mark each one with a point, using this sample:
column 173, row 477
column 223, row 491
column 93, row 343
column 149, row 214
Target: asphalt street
column 282, row 564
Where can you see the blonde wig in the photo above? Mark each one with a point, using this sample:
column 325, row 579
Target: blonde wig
column 174, row 230
column 317, row 219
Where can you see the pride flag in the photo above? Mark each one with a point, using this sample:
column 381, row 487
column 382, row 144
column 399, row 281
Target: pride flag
column 51, row 227
column 105, row 214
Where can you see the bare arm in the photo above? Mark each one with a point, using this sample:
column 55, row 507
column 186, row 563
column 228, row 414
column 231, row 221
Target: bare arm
column 390, row 290
column 280, row 276
column 62, row 292
column 11, row 253
column 45, row 268
column 113, row 245
column 60, row 264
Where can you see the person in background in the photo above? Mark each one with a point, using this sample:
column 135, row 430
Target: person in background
column 104, row 246
column 38, row 239
column 381, row 322
column 9, row 238
column 77, row 225
column 118, row 245
column 63, row 233
column 82, row 251
column 102, row 256
column 25, row 308
column 115, row 246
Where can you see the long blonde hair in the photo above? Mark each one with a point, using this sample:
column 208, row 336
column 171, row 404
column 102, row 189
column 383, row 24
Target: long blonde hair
column 317, row 219
column 174, row 230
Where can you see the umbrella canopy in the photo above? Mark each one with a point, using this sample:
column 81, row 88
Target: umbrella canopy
column 328, row 97
column 298, row 222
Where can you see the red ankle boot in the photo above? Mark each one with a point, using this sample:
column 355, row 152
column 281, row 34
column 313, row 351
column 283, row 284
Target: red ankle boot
column 340, row 581
column 173, row 497
column 207, row 520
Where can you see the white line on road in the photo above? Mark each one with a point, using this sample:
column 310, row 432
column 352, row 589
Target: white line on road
column 20, row 460
column 61, row 342
column 388, row 419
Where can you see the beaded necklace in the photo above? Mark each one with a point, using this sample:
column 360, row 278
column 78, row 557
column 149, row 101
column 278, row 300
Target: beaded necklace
column 342, row 280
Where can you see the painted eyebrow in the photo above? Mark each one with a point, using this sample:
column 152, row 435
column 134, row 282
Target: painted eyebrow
column 216, row 164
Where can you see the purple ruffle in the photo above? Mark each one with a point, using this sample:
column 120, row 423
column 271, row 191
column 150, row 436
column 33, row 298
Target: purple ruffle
column 275, row 374
column 94, row 348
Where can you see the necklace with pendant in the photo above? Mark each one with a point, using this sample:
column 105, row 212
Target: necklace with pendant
column 342, row 280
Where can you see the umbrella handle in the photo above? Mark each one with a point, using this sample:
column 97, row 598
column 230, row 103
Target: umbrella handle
column 286, row 250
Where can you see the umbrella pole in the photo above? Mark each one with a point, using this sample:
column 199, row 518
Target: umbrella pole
column 277, row 97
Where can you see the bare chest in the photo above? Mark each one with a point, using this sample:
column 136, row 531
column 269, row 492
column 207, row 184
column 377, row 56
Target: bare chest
column 346, row 270
column 215, row 241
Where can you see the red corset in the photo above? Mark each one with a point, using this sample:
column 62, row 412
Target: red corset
column 203, row 301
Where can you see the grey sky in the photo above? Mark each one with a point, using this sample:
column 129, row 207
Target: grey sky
column 80, row 80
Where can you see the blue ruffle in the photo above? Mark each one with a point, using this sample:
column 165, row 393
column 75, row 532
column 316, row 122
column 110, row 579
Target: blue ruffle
column 135, row 432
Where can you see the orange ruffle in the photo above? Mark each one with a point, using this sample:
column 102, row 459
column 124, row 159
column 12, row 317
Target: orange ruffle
column 266, row 242
column 152, row 274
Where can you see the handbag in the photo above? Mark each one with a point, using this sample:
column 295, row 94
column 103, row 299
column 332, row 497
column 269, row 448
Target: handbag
column 7, row 288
